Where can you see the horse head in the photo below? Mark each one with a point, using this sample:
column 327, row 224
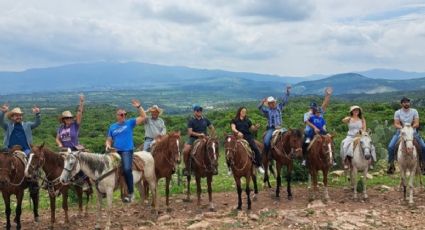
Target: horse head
column 326, row 147
column 295, row 140
column 407, row 135
column 212, row 151
column 366, row 144
column 7, row 169
column 71, row 166
column 230, row 142
column 174, row 146
column 36, row 161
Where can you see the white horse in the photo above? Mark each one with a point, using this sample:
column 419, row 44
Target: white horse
column 407, row 158
column 361, row 155
column 102, row 169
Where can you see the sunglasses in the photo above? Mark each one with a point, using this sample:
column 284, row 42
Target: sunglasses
column 121, row 114
column 198, row 110
column 67, row 118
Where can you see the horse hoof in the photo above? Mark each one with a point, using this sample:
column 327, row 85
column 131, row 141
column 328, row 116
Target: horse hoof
column 36, row 219
column 199, row 211
column 254, row 198
column 290, row 198
column 187, row 200
column 169, row 209
column 239, row 208
column 211, row 209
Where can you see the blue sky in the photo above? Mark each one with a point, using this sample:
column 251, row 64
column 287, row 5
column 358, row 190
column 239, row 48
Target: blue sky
column 285, row 37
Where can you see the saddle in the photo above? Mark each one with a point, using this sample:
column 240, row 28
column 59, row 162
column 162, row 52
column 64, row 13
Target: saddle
column 356, row 141
column 276, row 134
column 21, row 156
column 196, row 145
column 313, row 141
column 246, row 146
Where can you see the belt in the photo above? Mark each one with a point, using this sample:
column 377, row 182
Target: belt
column 148, row 138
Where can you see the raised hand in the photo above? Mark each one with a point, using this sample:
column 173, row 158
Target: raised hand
column 81, row 98
column 4, row 108
column 35, row 109
column 136, row 103
column 329, row 91
column 288, row 88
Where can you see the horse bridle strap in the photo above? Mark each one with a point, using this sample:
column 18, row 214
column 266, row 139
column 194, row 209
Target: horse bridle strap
column 232, row 161
column 103, row 176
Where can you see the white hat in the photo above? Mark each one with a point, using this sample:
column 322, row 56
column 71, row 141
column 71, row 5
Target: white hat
column 355, row 107
column 271, row 99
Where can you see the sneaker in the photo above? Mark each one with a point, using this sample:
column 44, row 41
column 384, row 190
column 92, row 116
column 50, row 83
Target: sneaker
column 307, row 141
column 261, row 170
column 129, row 198
column 85, row 187
column 334, row 163
column 215, row 171
column 229, row 172
column 303, row 163
column 185, row 172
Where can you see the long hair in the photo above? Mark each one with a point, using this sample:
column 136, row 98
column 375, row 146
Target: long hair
column 238, row 113
column 360, row 113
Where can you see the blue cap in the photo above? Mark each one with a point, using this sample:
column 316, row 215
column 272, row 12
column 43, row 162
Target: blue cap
column 313, row 105
column 196, row 107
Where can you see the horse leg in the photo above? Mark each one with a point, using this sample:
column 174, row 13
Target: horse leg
column 289, row 179
column 99, row 209
column 278, row 178
column 153, row 187
column 411, row 181
column 239, row 190
column 248, row 192
column 52, row 210
column 403, row 183
column 325, row 182
column 209, row 182
column 198, row 190
column 79, row 191
column 34, row 194
column 254, row 180
column 315, row 187
column 109, row 197
column 365, row 196
column 6, row 198
column 354, row 181
column 167, row 193
column 188, row 188
column 266, row 172
column 19, row 197
column 65, row 205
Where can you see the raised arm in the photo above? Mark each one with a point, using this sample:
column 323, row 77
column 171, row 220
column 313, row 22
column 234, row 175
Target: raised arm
column 3, row 110
column 80, row 110
column 37, row 120
column 328, row 93
column 346, row 119
column 142, row 114
column 284, row 98
column 262, row 108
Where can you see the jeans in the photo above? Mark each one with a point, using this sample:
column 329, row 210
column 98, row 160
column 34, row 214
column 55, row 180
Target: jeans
column 126, row 162
column 393, row 142
column 267, row 140
column 310, row 133
column 254, row 148
column 147, row 144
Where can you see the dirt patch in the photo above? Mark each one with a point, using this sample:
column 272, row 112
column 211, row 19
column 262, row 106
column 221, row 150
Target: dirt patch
column 384, row 209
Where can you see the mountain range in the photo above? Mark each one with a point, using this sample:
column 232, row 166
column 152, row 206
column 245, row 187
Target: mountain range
column 108, row 76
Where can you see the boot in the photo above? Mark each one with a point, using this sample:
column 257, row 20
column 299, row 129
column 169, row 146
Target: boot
column 391, row 168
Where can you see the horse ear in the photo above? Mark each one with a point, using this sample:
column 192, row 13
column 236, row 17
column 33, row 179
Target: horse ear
column 369, row 131
column 12, row 166
column 42, row 145
column 178, row 133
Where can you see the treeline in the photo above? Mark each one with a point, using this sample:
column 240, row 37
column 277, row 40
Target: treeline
column 97, row 118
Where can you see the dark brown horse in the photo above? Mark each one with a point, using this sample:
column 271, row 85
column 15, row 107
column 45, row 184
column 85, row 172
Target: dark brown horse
column 13, row 181
column 166, row 153
column 203, row 163
column 239, row 158
column 52, row 164
column 288, row 145
column 320, row 157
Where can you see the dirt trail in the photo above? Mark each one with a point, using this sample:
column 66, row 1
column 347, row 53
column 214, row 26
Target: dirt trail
column 383, row 210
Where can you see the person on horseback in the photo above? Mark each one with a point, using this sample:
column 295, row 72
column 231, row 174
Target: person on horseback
column 405, row 115
column 67, row 137
column 317, row 124
column 196, row 128
column 241, row 126
column 356, row 124
column 19, row 132
column 273, row 113
column 120, row 136
column 154, row 127
column 309, row 113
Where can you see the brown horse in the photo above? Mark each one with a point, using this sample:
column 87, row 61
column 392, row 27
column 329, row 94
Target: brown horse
column 320, row 157
column 203, row 162
column 287, row 146
column 239, row 158
column 52, row 164
column 13, row 181
column 166, row 153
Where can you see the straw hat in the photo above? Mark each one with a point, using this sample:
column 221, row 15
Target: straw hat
column 65, row 114
column 14, row 111
column 155, row 108
column 355, row 107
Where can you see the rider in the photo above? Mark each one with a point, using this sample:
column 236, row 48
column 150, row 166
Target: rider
column 120, row 136
column 356, row 123
column 273, row 113
column 196, row 128
column 241, row 126
column 19, row 132
column 317, row 124
column 308, row 114
column 405, row 115
column 154, row 127
column 67, row 136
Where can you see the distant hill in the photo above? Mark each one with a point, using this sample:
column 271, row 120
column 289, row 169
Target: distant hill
column 353, row 83
column 391, row 74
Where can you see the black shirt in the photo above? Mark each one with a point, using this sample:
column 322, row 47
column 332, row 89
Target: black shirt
column 243, row 126
column 199, row 125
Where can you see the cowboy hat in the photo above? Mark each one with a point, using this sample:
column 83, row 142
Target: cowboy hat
column 271, row 99
column 355, row 107
column 14, row 111
column 155, row 108
column 65, row 114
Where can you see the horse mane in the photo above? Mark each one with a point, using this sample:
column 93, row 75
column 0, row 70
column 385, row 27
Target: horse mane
column 161, row 145
column 55, row 156
column 297, row 133
column 96, row 162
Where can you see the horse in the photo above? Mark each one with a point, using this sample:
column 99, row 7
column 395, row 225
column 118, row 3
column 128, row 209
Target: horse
column 239, row 157
column 362, row 146
column 104, row 169
column 52, row 164
column 166, row 153
column 286, row 147
column 407, row 158
column 320, row 157
column 203, row 162
column 13, row 181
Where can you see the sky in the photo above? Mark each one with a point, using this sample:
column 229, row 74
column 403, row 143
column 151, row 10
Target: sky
column 283, row 37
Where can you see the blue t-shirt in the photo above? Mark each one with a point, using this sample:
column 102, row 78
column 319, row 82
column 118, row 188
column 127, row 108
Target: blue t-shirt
column 122, row 135
column 318, row 121
column 199, row 125
column 18, row 137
